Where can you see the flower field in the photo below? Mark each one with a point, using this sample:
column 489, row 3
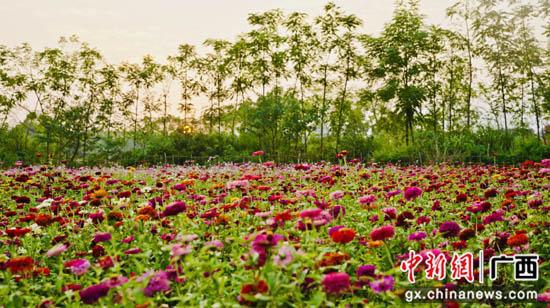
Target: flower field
column 259, row 234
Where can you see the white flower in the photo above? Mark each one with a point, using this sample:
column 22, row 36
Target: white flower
column 45, row 203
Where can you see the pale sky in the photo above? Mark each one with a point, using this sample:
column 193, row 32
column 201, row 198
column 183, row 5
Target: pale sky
column 129, row 29
column 126, row 30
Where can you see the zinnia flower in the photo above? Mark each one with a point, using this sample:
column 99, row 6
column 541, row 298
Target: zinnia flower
column 174, row 208
column 180, row 250
column 336, row 283
column 311, row 213
column 284, row 256
column 364, row 200
column 93, row 293
column 20, row 264
column 365, row 270
column 56, row 250
column 343, row 235
column 382, row 233
column 78, row 266
column 249, row 290
column 382, row 285
column 335, row 195
column 102, row 237
column 158, row 283
column 412, row 193
column 417, row 236
column 449, row 229
column 517, row 240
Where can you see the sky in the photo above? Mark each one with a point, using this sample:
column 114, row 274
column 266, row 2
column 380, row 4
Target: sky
column 127, row 30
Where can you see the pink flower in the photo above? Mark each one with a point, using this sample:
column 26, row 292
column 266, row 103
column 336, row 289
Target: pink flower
column 180, row 250
column 258, row 153
column 78, row 266
column 311, row 213
column 237, row 184
column 215, row 243
column 335, row 195
column 132, row 251
column 56, row 250
column 364, row 200
column 336, row 283
column 128, row 239
column 284, row 256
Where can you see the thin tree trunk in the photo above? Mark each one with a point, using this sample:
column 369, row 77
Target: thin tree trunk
column 323, row 104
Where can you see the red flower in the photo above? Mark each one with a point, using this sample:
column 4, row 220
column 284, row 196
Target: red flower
column 21, row 264
column 382, row 233
column 343, row 235
column 249, row 290
column 518, row 239
column 17, row 232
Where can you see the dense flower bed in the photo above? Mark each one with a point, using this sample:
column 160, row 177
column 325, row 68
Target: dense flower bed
column 257, row 234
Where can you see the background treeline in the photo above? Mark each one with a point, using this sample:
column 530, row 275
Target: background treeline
column 299, row 88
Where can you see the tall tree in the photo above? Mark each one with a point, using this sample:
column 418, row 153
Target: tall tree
column 214, row 68
column 494, row 34
column 185, row 63
column 465, row 9
column 399, row 63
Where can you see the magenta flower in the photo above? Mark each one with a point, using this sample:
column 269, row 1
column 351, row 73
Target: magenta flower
column 336, row 283
column 417, row 236
column 449, row 229
column 102, row 237
column 261, row 244
column 158, row 283
column 364, row 200
column 115, row 281
column 334, row 229
column 174, row 208
column 337, row 210
column 78, row 266
column 365, row 270
column 132, row 251
column 93, row 293
column 497, row 215
column 412, row 193
column 311, row 213
column 382, row 285
column 392, row 193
